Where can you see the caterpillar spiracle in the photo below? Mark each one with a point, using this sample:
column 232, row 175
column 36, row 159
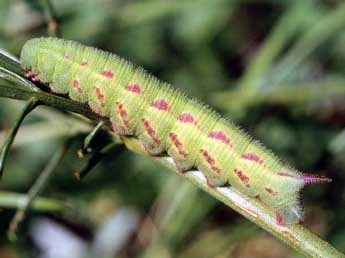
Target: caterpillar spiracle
column 166, row 121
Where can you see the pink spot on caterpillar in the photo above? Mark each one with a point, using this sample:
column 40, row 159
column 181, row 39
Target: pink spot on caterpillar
column 149, row 149
column 271, row 192
column 135, row 88
column 242, row 176
column 107, row 73
column 286, row 174
column 151, row 132
column 279, row 219
column 35, row 78
column 252, row 156
column 29, row 74
column 179, row 166
column 186, row 118
column 219, row 135
column 161, row 104
column 75, row 85
column 173, row 137
column 123, row 114
column 99, row 95
column 313, row 179
column 210, row 160
column 117, row 129
column 84, row 63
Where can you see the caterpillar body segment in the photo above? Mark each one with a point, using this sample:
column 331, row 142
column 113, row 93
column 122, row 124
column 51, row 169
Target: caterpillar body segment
column 167, row 121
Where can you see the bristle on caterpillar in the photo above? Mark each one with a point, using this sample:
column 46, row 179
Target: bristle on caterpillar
column 167, row 122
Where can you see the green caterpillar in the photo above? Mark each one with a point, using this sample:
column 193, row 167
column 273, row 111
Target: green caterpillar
column 166, row 121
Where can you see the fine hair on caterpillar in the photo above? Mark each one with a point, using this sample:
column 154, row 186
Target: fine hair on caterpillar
column 166, row 121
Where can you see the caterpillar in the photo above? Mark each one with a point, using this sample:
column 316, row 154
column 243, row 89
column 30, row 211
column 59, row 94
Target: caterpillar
column 166, row 121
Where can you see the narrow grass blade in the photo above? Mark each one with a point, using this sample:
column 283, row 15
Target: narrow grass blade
column 12, row 134
column 39, row 185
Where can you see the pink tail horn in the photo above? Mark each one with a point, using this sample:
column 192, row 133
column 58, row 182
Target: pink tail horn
column 313, row 179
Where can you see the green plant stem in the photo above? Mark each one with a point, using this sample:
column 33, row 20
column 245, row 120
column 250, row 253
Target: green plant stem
column 88, row 139
column 98, row 157
column 17, row 79
column 296, row 236
column 48, row 99
column 32, row 103
column 36, row 189
column 10, row 62
column 50, row 16
column 18, row 201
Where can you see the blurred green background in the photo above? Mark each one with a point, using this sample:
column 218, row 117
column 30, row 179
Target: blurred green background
column 275, row 67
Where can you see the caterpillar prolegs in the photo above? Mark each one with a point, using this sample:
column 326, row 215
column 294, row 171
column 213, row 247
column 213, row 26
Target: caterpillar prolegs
column 167, row 121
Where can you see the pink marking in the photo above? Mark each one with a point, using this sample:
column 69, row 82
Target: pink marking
column 75, row 85
column 29, row 74
column 313, row 179
column 253, row 157
column 180, row 168
column 107, row 73
column 35, row 78
column 135, row 88
column 117, row 129
column 123, row 114
column 286, row 174
column 186, row 118
column 242, row 176
column 84, row 63
column 161, row 104
column 219, row 135
column 99, row 95
column 148, row 149
column 307, row 178
column 151, row 132
column 279, row 219
column 173, row 137
column 271, row 192
column 211, row 161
